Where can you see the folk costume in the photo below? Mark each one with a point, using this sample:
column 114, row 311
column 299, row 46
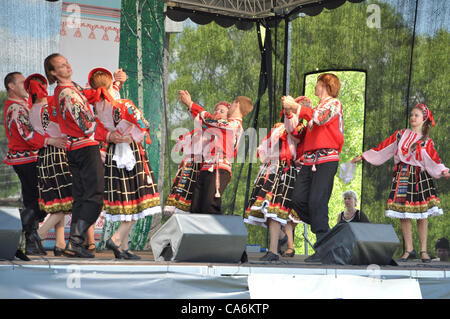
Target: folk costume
column 130, row 191
column 78, row 122
column 323, row 142
column 180, row 198
column 413, row 194
column 54, row 177
column 220, row 142
column 272, row 191
column 23, row 147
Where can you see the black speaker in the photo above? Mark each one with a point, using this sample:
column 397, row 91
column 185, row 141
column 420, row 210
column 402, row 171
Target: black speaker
column 200, row 238
column 358, row 244
column 10, row 232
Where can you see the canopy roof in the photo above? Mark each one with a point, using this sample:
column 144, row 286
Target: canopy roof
column 243, row 13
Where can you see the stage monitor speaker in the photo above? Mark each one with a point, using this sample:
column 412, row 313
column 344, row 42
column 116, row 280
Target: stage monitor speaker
column 10, row 232
column 358, row 244
column 200, row 238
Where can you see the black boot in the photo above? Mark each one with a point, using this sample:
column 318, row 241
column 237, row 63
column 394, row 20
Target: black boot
column 21, row 255
column 75, row 245
column 33, row 245
column 27, row 218
column 30, row 245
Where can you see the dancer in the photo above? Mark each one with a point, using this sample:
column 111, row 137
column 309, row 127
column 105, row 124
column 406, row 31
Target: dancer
column 54, row 178
column 412, row 195
column 270, row 200
column 23, row 145
column 323, row 143
column 179, row 200
column 222, row 139
column 78, row 122
column 130, row 187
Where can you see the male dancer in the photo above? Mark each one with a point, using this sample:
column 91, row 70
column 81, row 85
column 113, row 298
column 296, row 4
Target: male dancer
column 78, row 122
column 23, row 146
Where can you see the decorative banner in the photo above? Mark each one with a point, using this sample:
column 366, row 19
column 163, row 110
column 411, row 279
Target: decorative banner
column 331, row 287
column 141, row 57
column 94, row 25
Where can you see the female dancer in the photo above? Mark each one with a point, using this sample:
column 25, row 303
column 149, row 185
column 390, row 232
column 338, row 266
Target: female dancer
column 413, row 195
column 54, row 177
column 270, row 202
column 130, row 189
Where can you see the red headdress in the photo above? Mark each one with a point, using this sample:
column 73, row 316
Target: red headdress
column 95, row 70
column 36, row 87
column 226, row 104
column 426, row 113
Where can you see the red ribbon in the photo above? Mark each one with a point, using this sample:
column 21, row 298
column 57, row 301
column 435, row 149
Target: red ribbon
column 36, row 88
column 426, row 113
column 94, row 96
column 419, row 150
column 144, row 162
column 285, row 152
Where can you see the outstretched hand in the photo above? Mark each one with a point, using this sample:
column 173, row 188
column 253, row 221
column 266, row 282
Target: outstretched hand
column 357, row 159
column 185, row 97
column 446, row 174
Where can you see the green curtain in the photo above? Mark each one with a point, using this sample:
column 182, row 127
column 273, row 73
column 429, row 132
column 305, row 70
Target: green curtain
column 141, row 57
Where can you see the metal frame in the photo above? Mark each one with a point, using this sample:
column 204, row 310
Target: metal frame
column 250, row 9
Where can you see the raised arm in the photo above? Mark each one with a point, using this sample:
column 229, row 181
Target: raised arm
column 381, row 153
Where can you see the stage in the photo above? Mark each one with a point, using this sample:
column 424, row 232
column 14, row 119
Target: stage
column 104, row 277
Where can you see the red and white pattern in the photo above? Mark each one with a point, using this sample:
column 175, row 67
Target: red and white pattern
column 399, row 145
column 23, row 140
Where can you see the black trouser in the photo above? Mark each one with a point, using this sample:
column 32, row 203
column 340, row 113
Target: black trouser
column 204, row 200
column 88, row 180
column 311, row 194
column 28, row 176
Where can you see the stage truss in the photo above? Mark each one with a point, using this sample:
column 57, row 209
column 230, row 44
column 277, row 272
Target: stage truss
column 248, row 9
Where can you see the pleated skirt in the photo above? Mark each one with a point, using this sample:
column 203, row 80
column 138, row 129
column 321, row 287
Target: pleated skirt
column 271, row 194
column 413, row 194
column 180, row 198
column 54, row 181
column 130, row 194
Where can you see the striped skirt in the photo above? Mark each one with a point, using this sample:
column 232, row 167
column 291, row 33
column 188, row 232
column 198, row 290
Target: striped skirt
column 129, row 195
column 179, row 200
column 412, row 194
column 271, row 195
column 54, row 181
